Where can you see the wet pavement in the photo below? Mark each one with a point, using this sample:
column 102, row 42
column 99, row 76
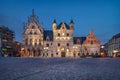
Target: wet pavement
column 60, row 69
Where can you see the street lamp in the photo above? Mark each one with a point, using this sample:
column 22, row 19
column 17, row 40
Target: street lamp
column 46, row 51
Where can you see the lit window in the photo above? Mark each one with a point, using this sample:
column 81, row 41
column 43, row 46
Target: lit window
column 63, row 34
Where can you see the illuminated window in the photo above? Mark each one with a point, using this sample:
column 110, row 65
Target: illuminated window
column 62, row 49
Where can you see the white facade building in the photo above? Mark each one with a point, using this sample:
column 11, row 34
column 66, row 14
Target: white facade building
column 58, row 42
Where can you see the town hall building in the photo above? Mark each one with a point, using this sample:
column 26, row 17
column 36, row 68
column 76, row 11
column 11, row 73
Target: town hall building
column 58, row 42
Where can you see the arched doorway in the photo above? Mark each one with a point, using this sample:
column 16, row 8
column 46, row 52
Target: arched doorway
column 28, row 52
column 63, row 54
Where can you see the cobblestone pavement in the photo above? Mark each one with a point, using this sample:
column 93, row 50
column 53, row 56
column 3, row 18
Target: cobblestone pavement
column 60, row 69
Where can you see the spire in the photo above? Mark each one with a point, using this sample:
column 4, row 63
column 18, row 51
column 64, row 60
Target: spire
column 71, row 21
column 91, row 32
column 32, row 12
column 54, row 21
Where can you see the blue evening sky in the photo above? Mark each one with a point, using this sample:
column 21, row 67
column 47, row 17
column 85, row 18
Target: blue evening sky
column 103, row 16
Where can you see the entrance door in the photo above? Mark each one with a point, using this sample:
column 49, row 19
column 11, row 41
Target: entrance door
column 62, row 54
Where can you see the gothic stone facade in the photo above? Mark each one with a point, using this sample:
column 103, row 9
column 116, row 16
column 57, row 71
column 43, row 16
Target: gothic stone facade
column 58, row 42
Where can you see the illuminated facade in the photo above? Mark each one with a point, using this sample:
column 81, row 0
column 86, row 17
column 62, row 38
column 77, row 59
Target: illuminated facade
column 33, row 37
column 92, row 44
column 114, row 45
column 58, row 42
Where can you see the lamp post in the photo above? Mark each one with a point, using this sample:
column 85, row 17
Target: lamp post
column 46, row 51
column 102, row 52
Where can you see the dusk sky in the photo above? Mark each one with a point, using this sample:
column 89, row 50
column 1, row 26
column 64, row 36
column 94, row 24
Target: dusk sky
column 102, row 16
